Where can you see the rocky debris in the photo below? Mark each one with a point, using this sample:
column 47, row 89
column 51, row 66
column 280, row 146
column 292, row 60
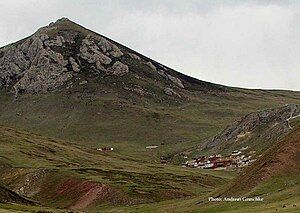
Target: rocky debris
column 270, row 118
column 109, row 48
column 118, row 68
column 171, row 92
column 29, row 184
column 75, row 66
column 175, row 80
column 139, row 90
column 134, row 56
column 169, row 77
column 151, row 65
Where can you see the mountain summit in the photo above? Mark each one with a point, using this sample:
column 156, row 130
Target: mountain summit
column 63, row 51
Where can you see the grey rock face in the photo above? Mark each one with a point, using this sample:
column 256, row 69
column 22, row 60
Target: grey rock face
column 34, row 66
column 37, row 64
column 47, row 71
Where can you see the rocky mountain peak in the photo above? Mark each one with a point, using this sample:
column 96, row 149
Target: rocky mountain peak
column 59, row 52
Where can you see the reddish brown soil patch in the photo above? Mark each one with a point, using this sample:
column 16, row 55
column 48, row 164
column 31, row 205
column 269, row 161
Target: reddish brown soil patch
column 78, row 194
column 95, row 193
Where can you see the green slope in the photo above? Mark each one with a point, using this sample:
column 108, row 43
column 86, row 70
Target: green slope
column 57, row 173
column 109, row 120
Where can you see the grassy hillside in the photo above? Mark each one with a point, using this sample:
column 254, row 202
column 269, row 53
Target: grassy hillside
column 57, row 173
column 129, row 125
column 273, row 177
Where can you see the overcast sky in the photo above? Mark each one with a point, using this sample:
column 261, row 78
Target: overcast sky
column 253, row 44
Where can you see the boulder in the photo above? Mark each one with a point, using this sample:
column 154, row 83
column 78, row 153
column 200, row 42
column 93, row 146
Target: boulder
column 109, row 48
column 151, row 65
column 175, row 80
column 171, row 92
column 118, row 69
column 75, row 66
column 134, row 56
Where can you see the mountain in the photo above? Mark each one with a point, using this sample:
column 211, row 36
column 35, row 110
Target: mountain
column 66, row 91
column 71, row 83
column 64, row 54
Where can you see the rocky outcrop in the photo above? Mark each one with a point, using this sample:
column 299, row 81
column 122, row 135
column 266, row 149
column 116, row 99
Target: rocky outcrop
column 32, row 66
column 55, row 54
column 46, row 60
column 274, row 121
column 91, row 52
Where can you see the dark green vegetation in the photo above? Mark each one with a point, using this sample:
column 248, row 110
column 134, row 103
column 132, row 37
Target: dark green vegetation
column 48, row 141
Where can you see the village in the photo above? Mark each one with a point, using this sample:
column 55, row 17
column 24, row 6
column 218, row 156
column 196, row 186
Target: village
column 236, row 159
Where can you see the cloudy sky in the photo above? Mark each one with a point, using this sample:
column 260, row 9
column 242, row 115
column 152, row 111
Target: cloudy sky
column 253, row 44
